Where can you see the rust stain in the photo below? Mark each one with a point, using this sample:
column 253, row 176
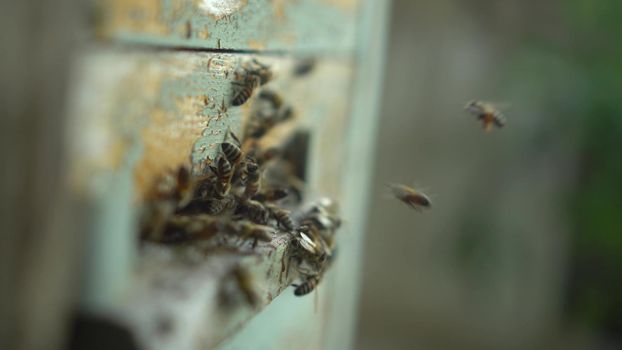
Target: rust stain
column 203, row 33
column 168, row 140
column 256, row 45
column 289, row 38
column 278, row 9
column 140, row 16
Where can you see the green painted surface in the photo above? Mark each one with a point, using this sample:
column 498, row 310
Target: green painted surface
column 287, row 26
column 139, row 114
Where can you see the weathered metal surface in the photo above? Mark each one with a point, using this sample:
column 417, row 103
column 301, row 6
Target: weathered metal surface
column 138, row 114
column 175, row 300
column 312, row 25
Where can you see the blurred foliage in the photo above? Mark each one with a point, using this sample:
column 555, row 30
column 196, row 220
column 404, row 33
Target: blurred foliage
column 595, row 277
column 575, row 84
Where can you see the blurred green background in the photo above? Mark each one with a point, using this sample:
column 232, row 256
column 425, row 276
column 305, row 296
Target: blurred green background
column 523, row 248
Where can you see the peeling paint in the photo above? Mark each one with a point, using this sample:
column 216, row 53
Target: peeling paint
column 321, row 25
column 165, row 109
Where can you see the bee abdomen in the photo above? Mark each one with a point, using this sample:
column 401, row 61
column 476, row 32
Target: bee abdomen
column 284, row 219
column 245, row 92
column 231, row 152
column 225, row 171
column 252, row 186
column 255, row 212
column 306, row 287
column 242, row 96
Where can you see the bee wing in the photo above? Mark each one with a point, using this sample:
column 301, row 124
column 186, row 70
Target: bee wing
column 307, row 243
column 499, row 120
column 392, row 191
column 502, row 105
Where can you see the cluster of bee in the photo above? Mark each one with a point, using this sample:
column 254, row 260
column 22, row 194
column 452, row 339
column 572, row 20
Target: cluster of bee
column 241, row 195
column 227, row 195
column 313, row 245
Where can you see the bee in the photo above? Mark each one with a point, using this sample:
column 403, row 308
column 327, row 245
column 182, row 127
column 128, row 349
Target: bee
column 285, row 114
column 413, row 198
column 252, row 179
column 177, row 187
column 323, row 215
column 234, row 137
column 224, row 173
column 304, row 66
column 282, row 217
column 239, row 278
column 271, row 97
column 231, row 152
column 212, row 206
column 307, row 286
column 313, row 258
column 265, row 116
column 253, row 211
column 271, row 195
column 254, row 231
column 261, row 71
column 263, row 156
column 244, row 90
column 181, row 229
column 173, row 191
column 485, row 112
column 310, row 249
column 254, row 75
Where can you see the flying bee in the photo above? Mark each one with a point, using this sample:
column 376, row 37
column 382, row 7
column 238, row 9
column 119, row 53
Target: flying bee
column 231, row 152
column 487, row 113
column 411, row 197
column 307, row 286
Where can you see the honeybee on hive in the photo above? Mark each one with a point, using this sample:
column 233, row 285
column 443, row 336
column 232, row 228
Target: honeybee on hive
column 251, row 75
